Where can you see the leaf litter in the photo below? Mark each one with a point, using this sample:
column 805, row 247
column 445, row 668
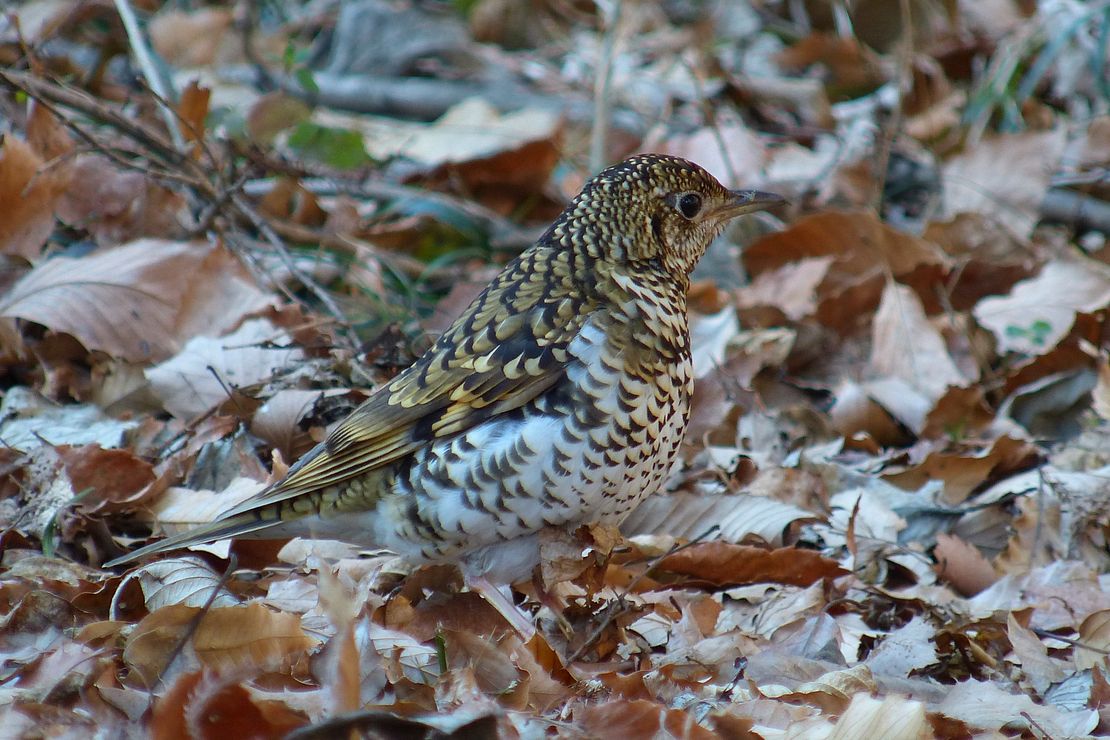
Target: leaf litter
column 890, row 519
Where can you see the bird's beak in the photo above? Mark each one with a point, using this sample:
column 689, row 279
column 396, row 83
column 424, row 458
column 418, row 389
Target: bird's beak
column 748, row 201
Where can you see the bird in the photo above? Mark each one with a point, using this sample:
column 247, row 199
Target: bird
column 559, row 397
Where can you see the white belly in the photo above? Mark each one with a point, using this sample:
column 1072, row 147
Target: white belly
column 487, row 491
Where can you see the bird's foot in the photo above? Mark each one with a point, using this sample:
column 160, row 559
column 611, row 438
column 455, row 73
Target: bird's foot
column 500, row 598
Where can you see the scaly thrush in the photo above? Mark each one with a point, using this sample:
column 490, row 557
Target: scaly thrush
column 559, row 397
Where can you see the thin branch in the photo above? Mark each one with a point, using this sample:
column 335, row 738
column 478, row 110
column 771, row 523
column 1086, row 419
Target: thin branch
column 602, row 89
column 146, row 63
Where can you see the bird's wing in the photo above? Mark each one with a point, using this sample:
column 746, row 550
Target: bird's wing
column 507, row 348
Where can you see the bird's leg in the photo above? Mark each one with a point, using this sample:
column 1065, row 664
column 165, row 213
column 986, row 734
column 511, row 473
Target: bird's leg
column 553, row 602
column 502, row 601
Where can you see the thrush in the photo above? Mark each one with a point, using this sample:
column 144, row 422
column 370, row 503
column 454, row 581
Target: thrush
column 559, row 397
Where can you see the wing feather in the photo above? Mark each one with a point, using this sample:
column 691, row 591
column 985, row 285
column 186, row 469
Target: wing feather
column 507, row 348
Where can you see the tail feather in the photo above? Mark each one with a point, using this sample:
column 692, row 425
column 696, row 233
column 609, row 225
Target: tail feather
column 235, row 526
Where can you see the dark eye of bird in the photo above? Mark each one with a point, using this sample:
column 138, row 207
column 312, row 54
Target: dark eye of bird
column 689, row 204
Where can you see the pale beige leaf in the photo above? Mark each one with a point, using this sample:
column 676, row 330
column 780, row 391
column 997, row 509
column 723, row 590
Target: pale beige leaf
column 688, row 515
column 416, row 661
column 187, row 506
column 904, row 650
column 1040, row 311
column 906, row 345
column 791, row 288
column 891, row 718
column 184, row 580
column 201, row 375
column 1005, row 176
column 985, row 706
column 1040, row 669
column 122, row 301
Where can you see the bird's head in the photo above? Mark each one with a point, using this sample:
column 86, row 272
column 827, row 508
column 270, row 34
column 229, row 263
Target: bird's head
column 655, row 208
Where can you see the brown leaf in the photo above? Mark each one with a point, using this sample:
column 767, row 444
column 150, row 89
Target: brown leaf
column 721, row 563
column 122, row 301
column 111, row 476
column 863, row 250
column 199, row 704
column 29, row 197
column 117, row 205
column 639, row 718
column 962, row 565
column 251, row 636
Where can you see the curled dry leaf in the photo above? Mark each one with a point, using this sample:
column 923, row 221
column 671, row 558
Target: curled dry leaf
column 277, row 421
column 201, row 704
column 1040, row 669
column 1094, row 640
column 962, row 565
column 105, row 477
column 29, row 194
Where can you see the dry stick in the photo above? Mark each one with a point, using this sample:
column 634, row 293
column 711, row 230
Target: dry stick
column 905, row 82
column 264, row 228
column 610, row 612
column 398, row 261
column 154, row 80
column 602, row 90
column 146, row 64
column 83, row 103
column 42, row 89
column 92, row 143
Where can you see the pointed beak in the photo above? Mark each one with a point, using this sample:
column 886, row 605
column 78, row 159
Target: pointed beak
column 748, row 201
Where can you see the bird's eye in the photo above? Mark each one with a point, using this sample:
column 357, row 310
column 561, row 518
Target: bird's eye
column 689, row 204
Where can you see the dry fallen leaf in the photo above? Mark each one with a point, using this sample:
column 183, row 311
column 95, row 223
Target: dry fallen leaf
column 1039, row 312
column 1004, row 176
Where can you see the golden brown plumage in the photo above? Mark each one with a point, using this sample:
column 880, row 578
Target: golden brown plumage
column 558, row 397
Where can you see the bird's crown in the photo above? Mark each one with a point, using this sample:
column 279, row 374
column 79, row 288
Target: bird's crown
column 652, row 208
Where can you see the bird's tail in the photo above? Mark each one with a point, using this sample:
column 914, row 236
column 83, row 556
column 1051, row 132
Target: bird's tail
column 234, row 526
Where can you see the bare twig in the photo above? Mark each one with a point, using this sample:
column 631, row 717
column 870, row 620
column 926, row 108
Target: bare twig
column 150, row 72
column 905, row 82
column 602, row 88
column 266, row 230
column 611, row 612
